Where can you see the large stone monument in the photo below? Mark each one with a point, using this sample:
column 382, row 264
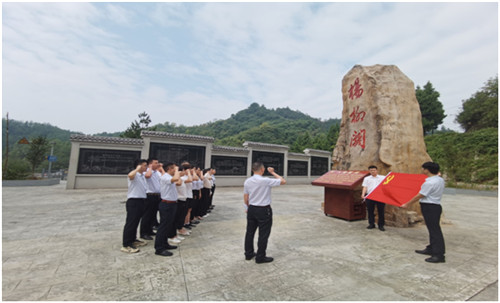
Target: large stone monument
column 382, row 126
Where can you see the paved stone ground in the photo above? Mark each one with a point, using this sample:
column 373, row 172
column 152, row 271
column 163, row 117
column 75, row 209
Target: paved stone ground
column 65, row 245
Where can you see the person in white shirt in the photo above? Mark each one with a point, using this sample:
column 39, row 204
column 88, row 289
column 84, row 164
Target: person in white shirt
column 205, row 192
column 182, row 207
column 197, row 201
column 190, row 187
column 257, row 199
column 136, row 198
column 369, row 184
column 212, row 190
column 430, row 203
column 167, row 208
column 151, row 207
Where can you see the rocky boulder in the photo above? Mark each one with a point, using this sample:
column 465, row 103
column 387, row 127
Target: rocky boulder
column 381, row 125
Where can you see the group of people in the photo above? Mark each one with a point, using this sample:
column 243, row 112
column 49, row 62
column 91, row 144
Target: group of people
column 257, row 198
column 430, row 203
column 182, row 195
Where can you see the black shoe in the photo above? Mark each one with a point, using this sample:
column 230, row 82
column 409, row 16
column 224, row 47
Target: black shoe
column 424, row 252
column 435, row 259
column 147, row 237
column 264, row 260
column 171, row 247
column 209, row 211
column 152, row 233
column 212, row 207
column 156, row 227
column 371, row 226
column 187, row 226
column 250, row 257
column 164, row 253
column 381, row 228
column 195, row 222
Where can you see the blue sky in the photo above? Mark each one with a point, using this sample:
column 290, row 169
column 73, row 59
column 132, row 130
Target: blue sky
column 92, row 67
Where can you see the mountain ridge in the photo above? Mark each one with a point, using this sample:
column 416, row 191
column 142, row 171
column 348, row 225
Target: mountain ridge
column 257, row 123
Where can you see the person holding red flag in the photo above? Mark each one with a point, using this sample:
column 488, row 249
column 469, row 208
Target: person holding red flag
column 369, row 184
column 430, row 202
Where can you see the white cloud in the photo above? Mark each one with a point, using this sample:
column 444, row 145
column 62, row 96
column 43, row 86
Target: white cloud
column 210, row 60
column 119, row 14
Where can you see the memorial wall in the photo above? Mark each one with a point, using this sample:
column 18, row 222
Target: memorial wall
column 104, row 162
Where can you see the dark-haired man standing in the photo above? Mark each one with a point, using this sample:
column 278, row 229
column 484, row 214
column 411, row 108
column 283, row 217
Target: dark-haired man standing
column 151, row 207
column 136, row 197
column 167, row 207
column 430, row 202
column 369, row 184
column 257, row 197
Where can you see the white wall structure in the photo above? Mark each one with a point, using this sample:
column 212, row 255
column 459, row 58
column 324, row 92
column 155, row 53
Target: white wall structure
column 104, row 162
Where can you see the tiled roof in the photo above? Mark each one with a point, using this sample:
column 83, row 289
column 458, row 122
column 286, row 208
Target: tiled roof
column 228, row 148
column 298, row 154
column 148, row 133
column 316, row 151
column 112, row 140
column 259, row 144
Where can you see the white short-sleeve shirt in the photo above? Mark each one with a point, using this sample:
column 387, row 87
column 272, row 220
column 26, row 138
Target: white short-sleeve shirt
column 181, row 190
column 168, row 190
column 189, row 187
column 432, row 190
column 154, row 182
column 206, row 182
column 137, row 187
column 371, row 182
column 258, row 189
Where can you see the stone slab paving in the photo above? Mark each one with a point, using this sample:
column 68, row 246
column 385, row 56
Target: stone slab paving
column 63, row 244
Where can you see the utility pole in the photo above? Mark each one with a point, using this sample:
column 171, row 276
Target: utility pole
column 5, row 165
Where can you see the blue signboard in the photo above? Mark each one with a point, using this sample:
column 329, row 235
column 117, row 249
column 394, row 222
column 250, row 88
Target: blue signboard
column 52, row 158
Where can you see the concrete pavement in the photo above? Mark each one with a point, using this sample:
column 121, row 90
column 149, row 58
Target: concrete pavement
column 63, row 244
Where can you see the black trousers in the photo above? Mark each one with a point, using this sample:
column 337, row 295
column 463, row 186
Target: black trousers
column 154, row 221
column 205, row 201
column 135, row 210
column 149, row 217
column 167, row 218
column 432, row 216
column 370, row 207
column 212, row 190
column 180, row 214
column 262, row 218
column 195, row 204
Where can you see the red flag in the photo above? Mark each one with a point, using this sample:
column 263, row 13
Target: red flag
column 397, row 188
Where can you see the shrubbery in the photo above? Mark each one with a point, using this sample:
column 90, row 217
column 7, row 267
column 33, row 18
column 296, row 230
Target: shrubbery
column 466, row 157
column 17, row 170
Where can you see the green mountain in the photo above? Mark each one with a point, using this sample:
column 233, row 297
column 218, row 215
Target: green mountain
column 29, row 130
column 256, row 123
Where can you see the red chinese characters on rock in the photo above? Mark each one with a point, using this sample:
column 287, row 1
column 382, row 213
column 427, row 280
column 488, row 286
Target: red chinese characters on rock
column 355, row 91
column 358, row 139
column 357, row 115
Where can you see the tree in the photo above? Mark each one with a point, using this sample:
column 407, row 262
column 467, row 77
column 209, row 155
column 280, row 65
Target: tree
column 134, row 131
column 481, row 110
column 333, row 135
column 302, row 142
column 37, row 152
column 430, row 107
